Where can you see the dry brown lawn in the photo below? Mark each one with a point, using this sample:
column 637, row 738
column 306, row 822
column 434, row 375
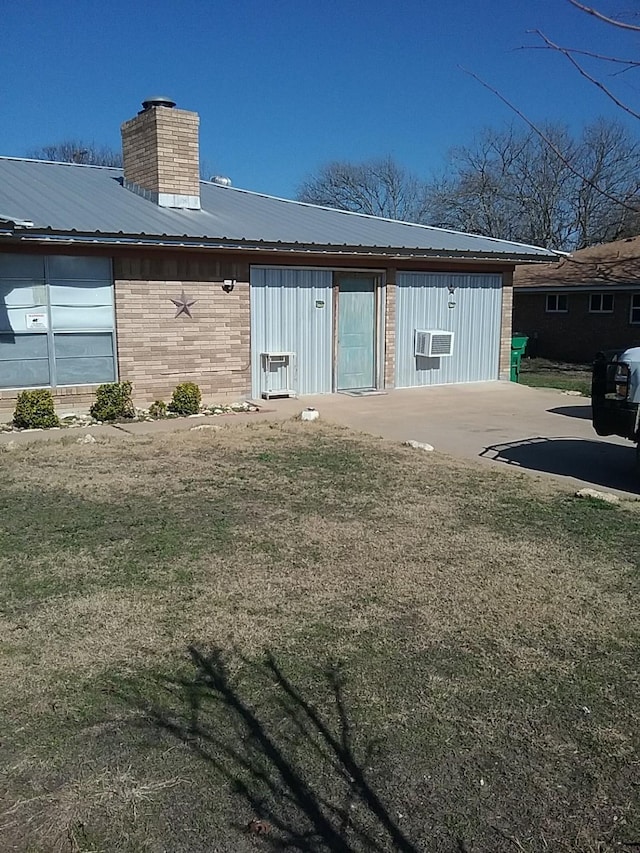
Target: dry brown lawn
column 359, row 646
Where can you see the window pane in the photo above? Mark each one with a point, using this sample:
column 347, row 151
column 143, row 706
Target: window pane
column 75, row 346
column 595, row 301
column 84, row 359
column 84, row 371
column 16, row 301
column 83, row 293
column 70, row 266
column 81, row 305
column 21, row 266
column 23, row 361
column 82, row 318
column 20, row 294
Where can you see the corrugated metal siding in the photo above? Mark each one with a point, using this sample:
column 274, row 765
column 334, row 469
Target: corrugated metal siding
column 284, row 317
column 422, row 304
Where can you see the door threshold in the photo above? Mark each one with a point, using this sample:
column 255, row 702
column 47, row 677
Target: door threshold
column 362, row 392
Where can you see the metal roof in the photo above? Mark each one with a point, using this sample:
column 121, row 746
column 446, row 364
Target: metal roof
column 44, row 199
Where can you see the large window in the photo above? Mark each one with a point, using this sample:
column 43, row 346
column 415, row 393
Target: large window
column 56, row 321
column 556, row 303
column 601, row 303
column 635, row 308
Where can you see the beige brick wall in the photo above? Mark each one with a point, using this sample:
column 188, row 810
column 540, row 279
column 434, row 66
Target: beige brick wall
column 390, row 332
column 507, row 325
column 160, row 151
column 157, row 350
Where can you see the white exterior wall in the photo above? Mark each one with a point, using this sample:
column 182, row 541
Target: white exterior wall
column 422, row 303
column 287, row 314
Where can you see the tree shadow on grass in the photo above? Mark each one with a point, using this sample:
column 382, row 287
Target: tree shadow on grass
column 297, row 769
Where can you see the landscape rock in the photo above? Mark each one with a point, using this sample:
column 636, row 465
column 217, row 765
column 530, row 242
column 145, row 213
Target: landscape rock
column 573, row 393
column 309, row 415
column 419, row 445
column 203, row 426
column 86, row 439
column 607, row 497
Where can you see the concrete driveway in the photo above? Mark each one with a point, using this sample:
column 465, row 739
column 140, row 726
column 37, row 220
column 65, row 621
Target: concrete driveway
column 538, row 430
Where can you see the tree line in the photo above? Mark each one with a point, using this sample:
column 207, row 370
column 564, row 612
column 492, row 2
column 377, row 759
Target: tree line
column 508, row 183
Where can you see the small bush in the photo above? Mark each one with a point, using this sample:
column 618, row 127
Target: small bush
column 35, row 410
column 158, row 409
column 186, row 399
column 113, row 402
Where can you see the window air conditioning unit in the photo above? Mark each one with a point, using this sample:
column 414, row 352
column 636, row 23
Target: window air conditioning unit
column 433, row 343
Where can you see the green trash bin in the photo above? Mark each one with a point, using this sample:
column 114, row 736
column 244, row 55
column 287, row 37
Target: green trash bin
column 516, row 359
column 519, row 343
column 518, row 349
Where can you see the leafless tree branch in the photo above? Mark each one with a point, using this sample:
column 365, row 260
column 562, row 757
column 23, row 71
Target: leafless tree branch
column 601, row 17
column 553, row 147
column 631, row 63
column 568, row 54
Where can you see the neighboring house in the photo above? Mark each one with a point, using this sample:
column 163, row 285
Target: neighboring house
column 584, row 303
column 152, row 275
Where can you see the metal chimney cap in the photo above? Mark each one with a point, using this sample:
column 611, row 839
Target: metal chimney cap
column 221, row 180
column 158, row 101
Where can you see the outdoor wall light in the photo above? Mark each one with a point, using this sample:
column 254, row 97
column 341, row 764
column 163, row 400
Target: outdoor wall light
column 452, row 289
column 228, row 284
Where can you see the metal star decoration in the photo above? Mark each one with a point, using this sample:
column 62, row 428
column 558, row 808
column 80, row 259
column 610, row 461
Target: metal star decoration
column 184, row 304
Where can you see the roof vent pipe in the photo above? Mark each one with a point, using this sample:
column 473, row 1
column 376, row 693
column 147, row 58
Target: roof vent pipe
column 158, row 101
column 221, row 180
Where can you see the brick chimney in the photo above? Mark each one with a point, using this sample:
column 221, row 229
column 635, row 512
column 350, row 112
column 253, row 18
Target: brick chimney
column 161, row 155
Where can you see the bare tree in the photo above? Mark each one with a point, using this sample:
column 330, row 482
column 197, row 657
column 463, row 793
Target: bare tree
column 376, row 187
column 521, row 185
column 609, row 201
column 77, row 151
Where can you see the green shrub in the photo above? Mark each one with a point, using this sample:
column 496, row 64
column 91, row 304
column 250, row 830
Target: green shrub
column 113, row 402
column 158, row 409
column 186, row 399
column 35, row 410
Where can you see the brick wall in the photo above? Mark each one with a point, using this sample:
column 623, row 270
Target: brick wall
column 504, row 368
column 157, row 350
column 160, row 151
column 577, row 334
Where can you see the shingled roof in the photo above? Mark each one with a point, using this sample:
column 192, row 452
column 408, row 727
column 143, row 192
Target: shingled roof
column 46, row 201
column 606, row 265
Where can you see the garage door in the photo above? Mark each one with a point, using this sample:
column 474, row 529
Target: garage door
column 470, row 306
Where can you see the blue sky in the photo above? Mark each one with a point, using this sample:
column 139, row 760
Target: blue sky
column 283, row 86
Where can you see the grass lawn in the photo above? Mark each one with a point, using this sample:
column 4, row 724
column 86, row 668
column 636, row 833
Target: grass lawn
column 288, row 636
column 542, row 373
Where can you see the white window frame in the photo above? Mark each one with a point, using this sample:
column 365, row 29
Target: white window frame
column 634, row 308
column 601, row 310
column 556, row 310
